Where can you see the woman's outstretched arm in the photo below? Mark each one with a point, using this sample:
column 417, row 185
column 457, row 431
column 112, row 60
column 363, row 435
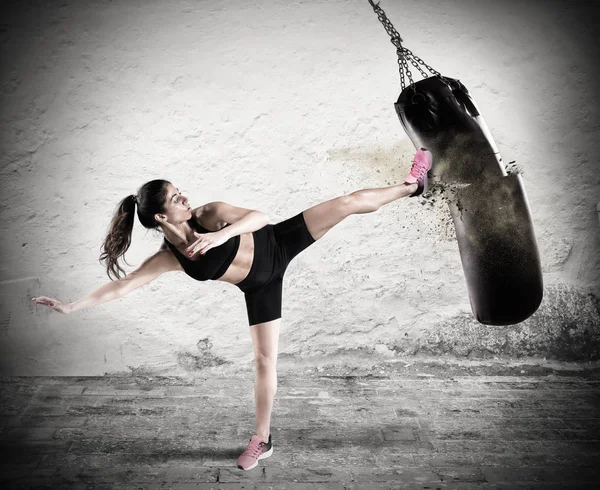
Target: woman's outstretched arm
column 159, row 263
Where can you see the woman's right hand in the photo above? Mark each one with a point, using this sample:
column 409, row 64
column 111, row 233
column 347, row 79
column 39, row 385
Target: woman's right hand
column 55, row 304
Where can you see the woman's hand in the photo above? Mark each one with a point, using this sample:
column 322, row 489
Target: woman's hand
column 206, row 241
column 55, row 304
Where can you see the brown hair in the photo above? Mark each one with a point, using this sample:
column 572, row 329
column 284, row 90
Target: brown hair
column 150, row 200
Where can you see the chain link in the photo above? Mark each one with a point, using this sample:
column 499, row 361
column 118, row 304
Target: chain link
column 404, row 55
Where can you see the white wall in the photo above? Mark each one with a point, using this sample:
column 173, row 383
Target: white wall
column 278, row 105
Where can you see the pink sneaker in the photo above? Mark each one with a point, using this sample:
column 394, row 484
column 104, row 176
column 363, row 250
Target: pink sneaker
column 257, row 449
column 418, row 172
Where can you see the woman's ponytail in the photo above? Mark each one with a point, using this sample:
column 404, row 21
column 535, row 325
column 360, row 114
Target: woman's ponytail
column 118, row 239
column 150, row 200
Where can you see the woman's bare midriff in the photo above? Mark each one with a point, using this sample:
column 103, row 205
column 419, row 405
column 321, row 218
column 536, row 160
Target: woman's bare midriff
column 237, row 271
column 240, row 267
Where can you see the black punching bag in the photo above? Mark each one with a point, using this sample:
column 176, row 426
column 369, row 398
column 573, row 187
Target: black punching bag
column 489, row 208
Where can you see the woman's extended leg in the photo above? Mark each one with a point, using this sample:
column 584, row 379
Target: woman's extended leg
column 322, row 217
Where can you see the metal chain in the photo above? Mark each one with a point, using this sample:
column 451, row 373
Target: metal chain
column 401, row 68
column 404, row 54
column 390, row 29
column 407, row 69
column 419, row 60
column 411, row 58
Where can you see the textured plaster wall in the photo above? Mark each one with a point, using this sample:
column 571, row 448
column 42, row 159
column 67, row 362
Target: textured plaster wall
column 277, row 106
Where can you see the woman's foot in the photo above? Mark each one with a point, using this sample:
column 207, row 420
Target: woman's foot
column 257, row 449
column 418, row 172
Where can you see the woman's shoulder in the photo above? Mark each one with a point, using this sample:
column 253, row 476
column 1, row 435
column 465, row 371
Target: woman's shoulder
column 206, row 217
column 164, row 259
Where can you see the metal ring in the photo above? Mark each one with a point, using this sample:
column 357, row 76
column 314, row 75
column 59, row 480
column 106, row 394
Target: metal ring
column 412, row 99
column 457, row 82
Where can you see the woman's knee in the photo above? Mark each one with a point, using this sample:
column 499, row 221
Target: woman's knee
column 347, row 204
column 265, row 363
column 362, row 202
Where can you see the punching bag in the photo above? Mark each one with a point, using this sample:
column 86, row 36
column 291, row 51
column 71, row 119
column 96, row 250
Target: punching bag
column 489, row 208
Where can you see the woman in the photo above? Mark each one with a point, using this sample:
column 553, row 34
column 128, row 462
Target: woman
column 221, row 242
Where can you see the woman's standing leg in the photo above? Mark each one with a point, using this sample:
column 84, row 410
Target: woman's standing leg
column 265, row 337
column 324, row 216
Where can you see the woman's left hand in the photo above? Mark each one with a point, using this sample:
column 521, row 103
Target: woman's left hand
column 206, row 241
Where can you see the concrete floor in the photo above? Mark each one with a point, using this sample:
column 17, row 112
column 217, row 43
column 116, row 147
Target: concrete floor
column 418, row 424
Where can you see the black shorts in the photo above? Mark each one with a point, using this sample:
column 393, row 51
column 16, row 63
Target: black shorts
column 274, row 248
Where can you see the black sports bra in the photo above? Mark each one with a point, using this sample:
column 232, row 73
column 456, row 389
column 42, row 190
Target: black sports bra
column 211, row 265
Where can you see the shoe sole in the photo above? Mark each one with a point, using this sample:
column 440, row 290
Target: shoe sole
column 426, row 177
column 262, row 456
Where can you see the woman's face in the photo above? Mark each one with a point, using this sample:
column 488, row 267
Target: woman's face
column 177, row 207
